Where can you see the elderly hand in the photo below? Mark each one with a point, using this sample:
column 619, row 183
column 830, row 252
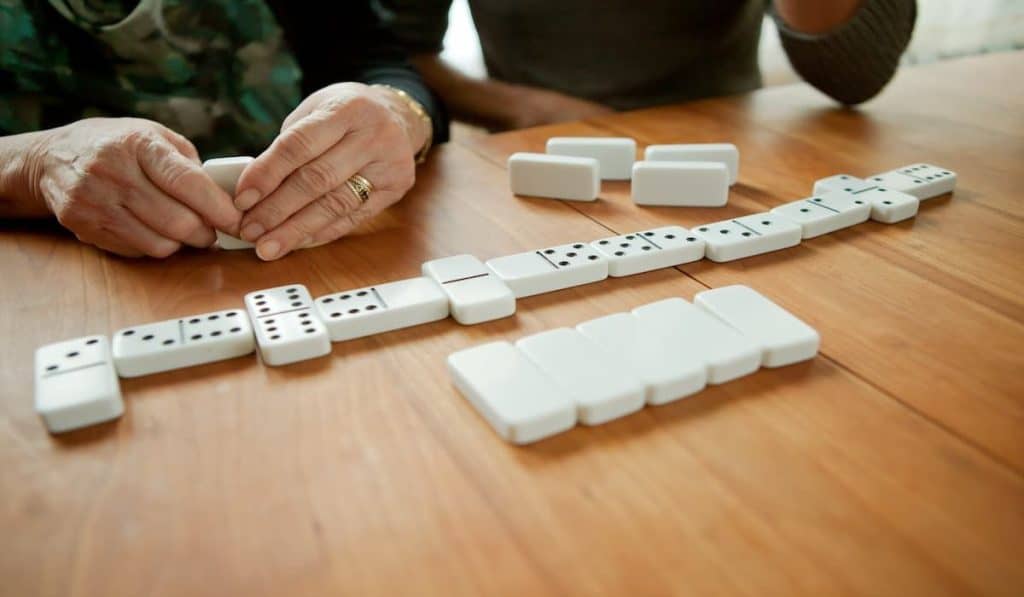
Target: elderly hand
column 295, row 194
column 130, row 186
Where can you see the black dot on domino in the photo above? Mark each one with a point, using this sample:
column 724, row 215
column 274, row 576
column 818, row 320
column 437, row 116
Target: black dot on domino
column 148, row 337
column 592, row 257
column 804, row 209
column 72, row 354
column 92, row 341
column 129, row 333
column 563, row 263
column 619, row 253
column 196, row 336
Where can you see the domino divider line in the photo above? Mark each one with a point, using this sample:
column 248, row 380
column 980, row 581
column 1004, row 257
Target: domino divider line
column 612, row 366
column 295, row 327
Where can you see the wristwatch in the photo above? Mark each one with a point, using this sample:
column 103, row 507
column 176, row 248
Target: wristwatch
column 421, row 113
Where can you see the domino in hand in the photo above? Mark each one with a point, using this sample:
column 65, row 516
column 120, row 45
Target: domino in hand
column 783, row 338
column 725, row 153
column 826, row 213
column 550, row 269
column 225, row 172
column 747, row 236
column 615, row 155
column 554, row 176
column 287, row 327
column 693, row 184
column 668, row 246
column 76, row 385
column 519, row 401
column 923, row 181
column 602, row 387
column 727, row 353
column 184, row 342
column 378, row 309
column 475, row 294
column 669, row 365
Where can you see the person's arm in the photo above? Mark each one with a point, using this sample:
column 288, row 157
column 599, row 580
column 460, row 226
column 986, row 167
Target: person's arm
column 498, row 105
column 18, row 198
column 848, row 49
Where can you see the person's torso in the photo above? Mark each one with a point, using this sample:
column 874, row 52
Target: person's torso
column 214, row 70
column 624, row 53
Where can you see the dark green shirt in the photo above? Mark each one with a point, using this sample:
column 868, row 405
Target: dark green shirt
column 635, row 53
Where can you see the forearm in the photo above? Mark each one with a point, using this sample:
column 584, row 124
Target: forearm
column 485, row 102
column 851, row 59
column 19, row 197
column 815, row 16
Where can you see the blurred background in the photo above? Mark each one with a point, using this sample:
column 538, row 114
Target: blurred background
column 945, row 29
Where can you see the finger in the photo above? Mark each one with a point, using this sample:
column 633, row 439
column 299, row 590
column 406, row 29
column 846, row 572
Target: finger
column 185, row 181
column 302, row 142
column 304, row 185
column 181, row 143
column 130, row 231
column 166, row 216
column 331, row 216
column 108, row 242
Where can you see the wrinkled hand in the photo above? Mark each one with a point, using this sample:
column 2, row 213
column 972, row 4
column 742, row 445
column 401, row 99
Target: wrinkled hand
column 130, row 186
column 534, row 107
column 295, row 195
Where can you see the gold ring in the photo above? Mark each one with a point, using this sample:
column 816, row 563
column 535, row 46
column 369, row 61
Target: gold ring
column 360, row 187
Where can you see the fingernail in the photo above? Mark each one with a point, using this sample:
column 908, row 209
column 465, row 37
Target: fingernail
column 253, row 231
column 268, row 250
column 247, row 199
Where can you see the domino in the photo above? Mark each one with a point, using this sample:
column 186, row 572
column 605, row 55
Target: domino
column 185, row 342
column 747, row 236
column 602, row 387
column 614, row 155
column 826, row 213
column 841, row 182
column 225, row 172
column 649, row 250
column 551, row 269
column 783, row 338
column 923, row 181
column 725, row 153
column 554, row 176
column 520, row 402
column 475, row 294
column 889, row 206
column 76, row 385
column 691, row 184
column 378, row 309
column 726, row 353
column 286, row 325
column 669, row 366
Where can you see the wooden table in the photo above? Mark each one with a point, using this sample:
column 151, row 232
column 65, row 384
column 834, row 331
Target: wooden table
column 891, row 464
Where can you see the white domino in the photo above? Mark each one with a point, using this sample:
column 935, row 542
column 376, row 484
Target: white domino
column 890, row 206
column 225, row 172
column 783, row 338
column 76, row 385
column 703, row 337
column 554, row 176
column 923, row 181
column 519, row 401
column 378, row 309
column 184, row 342
column 615, row 155
column 551, row 269
column 475, row 294
column 689, row 184
column 649, row 250
column 287, row 327
column 747, row 236
column 725, row 153
column 841, row 182
column 602, row 387
column 826, row 213
column 669, row 366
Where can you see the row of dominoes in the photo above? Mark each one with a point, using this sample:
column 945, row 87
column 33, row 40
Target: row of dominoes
column 76, row 380
column 677, row 175
column 611, row 366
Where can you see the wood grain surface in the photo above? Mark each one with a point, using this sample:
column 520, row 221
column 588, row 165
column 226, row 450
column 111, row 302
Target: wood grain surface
column 892, row 464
